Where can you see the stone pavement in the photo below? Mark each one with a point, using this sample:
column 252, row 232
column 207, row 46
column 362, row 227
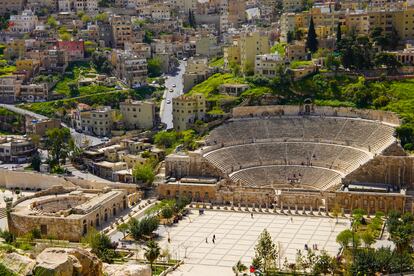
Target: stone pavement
column 236, row 236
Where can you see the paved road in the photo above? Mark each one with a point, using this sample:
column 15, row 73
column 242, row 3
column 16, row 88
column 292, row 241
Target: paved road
column 23, row 111
column 177, row 79
column 78, row 137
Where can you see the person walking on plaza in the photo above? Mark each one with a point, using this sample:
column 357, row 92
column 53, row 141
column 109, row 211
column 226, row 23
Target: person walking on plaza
column 206, row 239
column 251, row 214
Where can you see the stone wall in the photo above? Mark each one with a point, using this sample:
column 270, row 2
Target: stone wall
column 193, row 164
column 393, row 170
column 57, row 227
column 71, row 227
column 31, row 180
column 370, row 202
column 294, row 110
column 199, row 192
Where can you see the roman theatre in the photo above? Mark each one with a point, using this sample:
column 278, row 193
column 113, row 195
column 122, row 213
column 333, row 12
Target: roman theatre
column 302, row 157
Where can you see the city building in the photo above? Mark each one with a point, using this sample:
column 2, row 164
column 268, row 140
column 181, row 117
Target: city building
column 9, row 89
column 138, row 114
column 129, row 68
column 196, row 71
column 24, row 22
column 267, row 65
column 121, row 30
column 9, row 6
column 16, row 150
column 187, row 110
column 75, row 49
column 93, row 121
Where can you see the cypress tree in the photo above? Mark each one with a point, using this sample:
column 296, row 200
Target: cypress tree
column 311, row 41
column 338, row 33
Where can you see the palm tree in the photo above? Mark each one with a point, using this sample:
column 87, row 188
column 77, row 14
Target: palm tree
column 152, row 252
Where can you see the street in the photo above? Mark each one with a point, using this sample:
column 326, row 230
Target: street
column 177, row 79
column 79, row 138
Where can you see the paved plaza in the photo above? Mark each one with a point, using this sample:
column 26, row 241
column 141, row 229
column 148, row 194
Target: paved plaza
column 236, row 235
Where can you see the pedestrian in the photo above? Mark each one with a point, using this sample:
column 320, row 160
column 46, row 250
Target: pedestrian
column 169, row 240
column 251, row 214
column 291, row 219
column 214, row 237
column 213, row 240
column 206, row 239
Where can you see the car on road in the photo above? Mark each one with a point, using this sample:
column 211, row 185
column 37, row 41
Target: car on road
column 171, row 90
column 184, row 59
column 168, row 101
column 105, row 139
column 174, row 85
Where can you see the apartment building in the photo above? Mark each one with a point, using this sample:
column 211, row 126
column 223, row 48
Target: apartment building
column 138, row 114
column 55, row 60
column 40, row 127
column 31, row 66
column 16, row 150
column 296, row 51
column 75, row 49
column 93, row 121
column 292, row 5
column 15, row 48
column 142, row 50
column 121, row 30
column 24, row 22
column 196, row 71
column 9, row 89
column 252, row 44
column 86, row 5
column 34, row 92
column 267, row 65
column 187, row 110
column 9, row 6
column 207, row 46
column 236, row 13
column 130, row 68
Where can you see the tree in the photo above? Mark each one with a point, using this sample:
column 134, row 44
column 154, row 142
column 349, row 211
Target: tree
column 73, row 89
column 167, row 212
column 265, row 252
column 102, row 17
column 166, row 139
column 152, row 252
column 191, row 18
column 101, row 245
column 148, row 37
column 154, row 67
column 344, row 238
column 405, row 133
column 312, row 41
column 123, row 228
column 100, row 62
column 86, row 18
column 238, row 268
column 57, row 144
column 388, row 60
column 51, row 21
column 324, row 264
column 336, row 211
column 338, row 32
column 144, row 173
column 144, row 227
column 368, row 238
column 36, row 162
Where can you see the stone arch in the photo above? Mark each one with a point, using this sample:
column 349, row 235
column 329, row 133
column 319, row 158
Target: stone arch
column 97, row 221
column 113, row 210
column 106, row 215
column 85, row 227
